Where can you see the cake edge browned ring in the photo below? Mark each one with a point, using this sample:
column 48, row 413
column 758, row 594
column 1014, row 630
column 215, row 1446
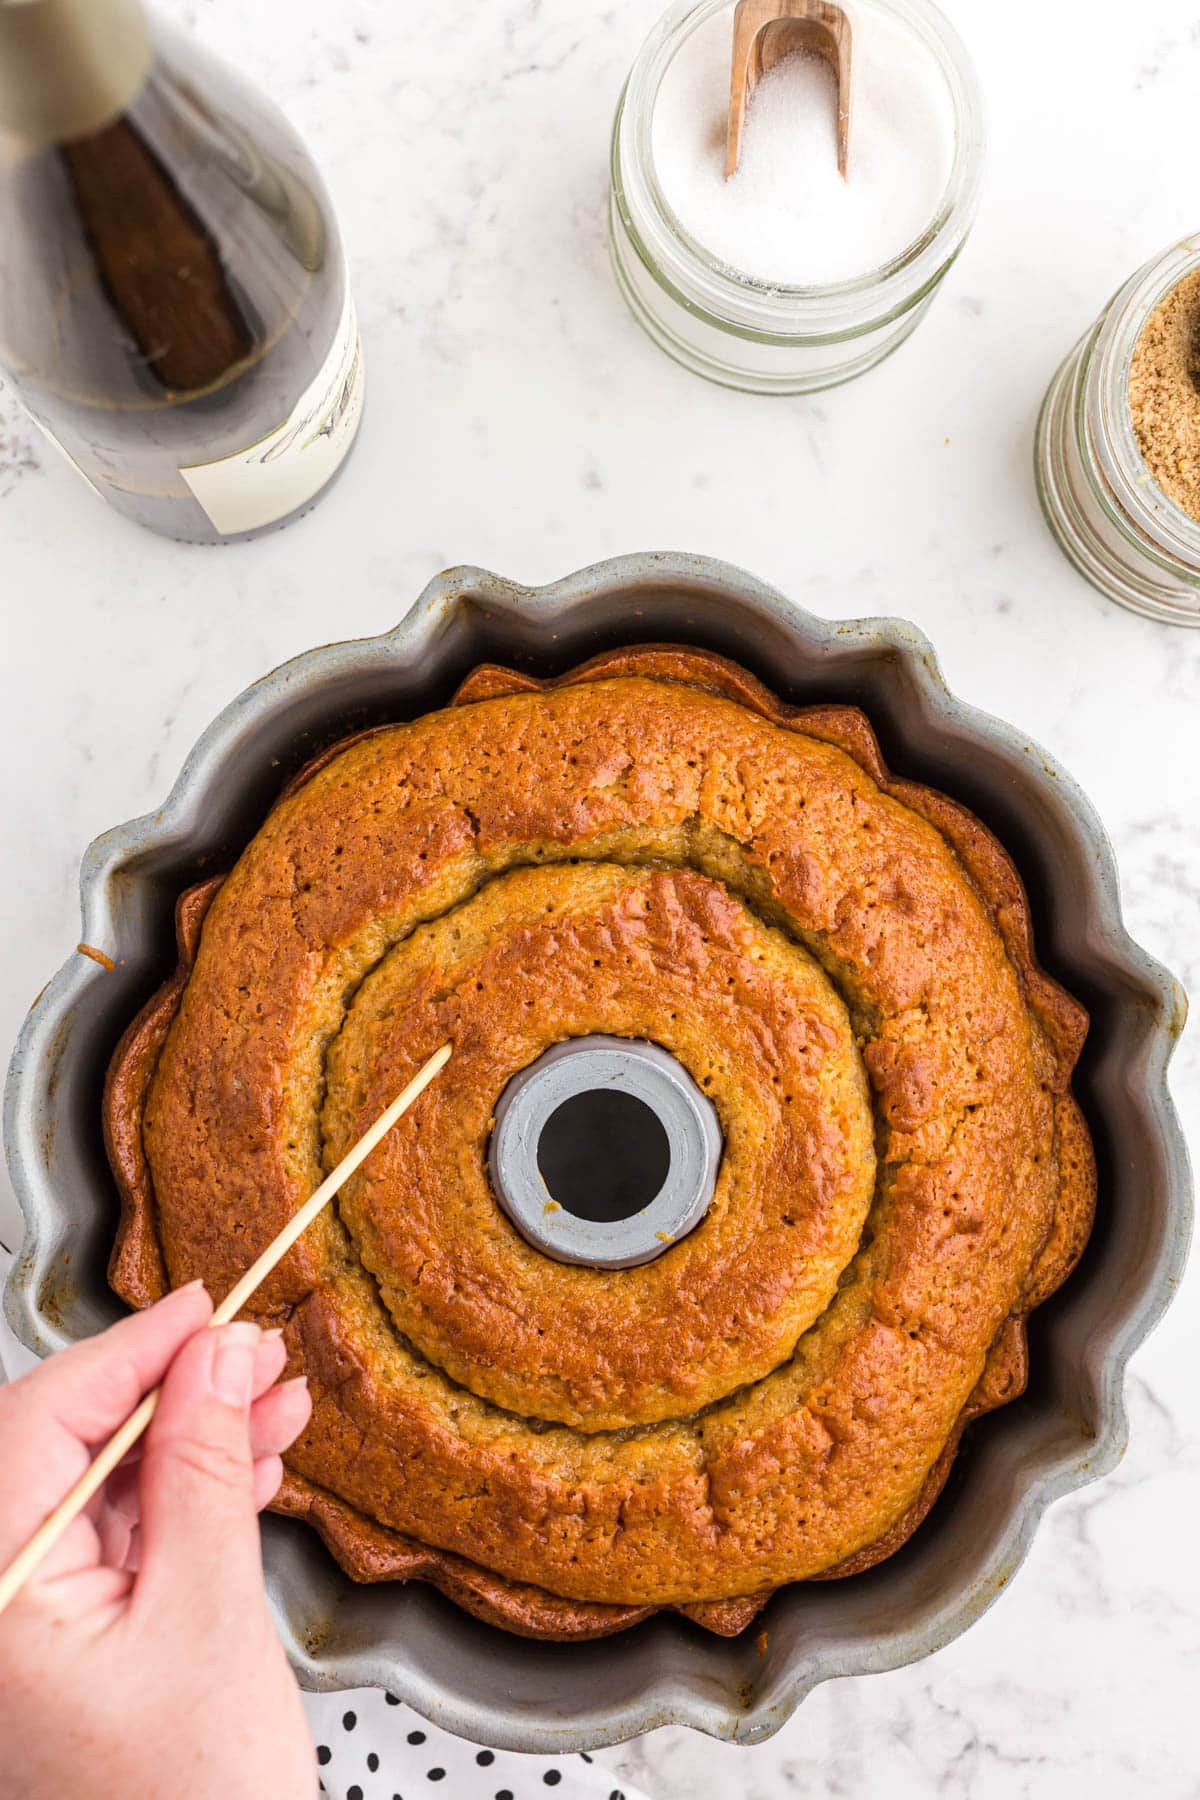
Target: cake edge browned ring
column 137, row 1270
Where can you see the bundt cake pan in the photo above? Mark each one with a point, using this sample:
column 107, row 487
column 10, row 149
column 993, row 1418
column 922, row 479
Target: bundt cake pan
column 1067, row 1429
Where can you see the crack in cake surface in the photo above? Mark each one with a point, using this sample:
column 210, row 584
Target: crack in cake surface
column 811, row 1047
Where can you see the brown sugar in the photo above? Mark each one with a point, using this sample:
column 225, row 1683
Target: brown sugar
column 1164, row 394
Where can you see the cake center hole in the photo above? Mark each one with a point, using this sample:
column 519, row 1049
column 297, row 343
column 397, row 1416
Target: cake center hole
column 603, row 1155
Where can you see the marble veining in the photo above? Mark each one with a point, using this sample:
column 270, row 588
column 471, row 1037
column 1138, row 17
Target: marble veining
column 516, row 417
column 20, row 449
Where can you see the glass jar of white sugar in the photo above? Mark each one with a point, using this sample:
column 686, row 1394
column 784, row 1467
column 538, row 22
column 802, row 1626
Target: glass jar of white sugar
column 789, row 277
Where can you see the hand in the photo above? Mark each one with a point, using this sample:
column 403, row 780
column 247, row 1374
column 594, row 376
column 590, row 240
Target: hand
column 140, row 1659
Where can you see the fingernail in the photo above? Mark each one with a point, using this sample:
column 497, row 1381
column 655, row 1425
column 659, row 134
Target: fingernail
column 191, row 1287
column 295, row 1381
column 233, row 1363
column 274, row 1331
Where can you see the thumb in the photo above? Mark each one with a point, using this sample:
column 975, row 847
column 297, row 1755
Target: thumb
column 199, row 1525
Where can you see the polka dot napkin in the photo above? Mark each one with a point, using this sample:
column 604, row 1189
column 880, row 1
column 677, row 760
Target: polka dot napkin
column 371, row 1748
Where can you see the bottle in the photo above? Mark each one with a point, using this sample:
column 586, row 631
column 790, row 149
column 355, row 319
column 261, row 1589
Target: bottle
column 174, row 305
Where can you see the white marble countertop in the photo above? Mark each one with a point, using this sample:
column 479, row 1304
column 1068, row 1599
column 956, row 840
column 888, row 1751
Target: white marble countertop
column 517, row 418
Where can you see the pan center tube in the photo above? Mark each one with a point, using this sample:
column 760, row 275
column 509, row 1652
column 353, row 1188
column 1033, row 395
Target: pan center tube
column 605, row 1152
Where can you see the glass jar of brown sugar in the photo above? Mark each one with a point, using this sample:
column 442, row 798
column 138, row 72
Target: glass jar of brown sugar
column 1118, row 443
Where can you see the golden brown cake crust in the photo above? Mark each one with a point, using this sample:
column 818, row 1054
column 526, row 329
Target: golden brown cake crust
column 696, row 798
column 663, row 955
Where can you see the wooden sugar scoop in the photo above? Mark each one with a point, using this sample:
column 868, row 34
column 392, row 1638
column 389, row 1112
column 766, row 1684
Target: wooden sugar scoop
column 764, row 32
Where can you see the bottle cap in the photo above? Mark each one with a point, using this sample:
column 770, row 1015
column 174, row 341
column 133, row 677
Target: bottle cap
column 69, row 67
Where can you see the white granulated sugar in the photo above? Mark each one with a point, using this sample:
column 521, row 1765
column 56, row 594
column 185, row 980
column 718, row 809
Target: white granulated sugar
column 787, row 216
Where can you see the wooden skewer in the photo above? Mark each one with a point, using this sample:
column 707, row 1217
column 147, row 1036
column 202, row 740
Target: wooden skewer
column 123, row 1440
column 764, row 32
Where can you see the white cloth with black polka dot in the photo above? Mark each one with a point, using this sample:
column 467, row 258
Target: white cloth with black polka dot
column 369, row 1747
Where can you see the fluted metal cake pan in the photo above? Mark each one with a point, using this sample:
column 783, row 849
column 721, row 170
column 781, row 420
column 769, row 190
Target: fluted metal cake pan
column 1068, row 1429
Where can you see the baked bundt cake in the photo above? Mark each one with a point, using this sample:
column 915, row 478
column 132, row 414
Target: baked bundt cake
column 652, row 848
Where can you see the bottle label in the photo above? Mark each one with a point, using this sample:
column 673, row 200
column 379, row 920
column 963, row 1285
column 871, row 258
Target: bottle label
column 290, row 466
